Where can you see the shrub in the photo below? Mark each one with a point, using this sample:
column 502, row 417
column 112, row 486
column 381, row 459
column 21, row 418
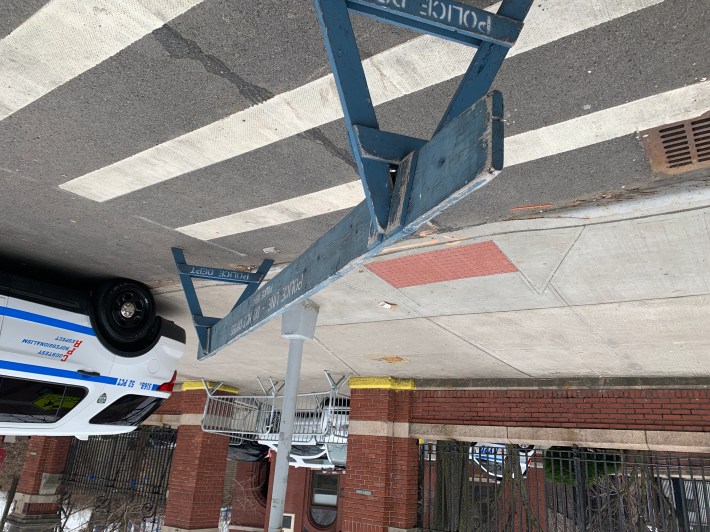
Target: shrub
column 560, row 465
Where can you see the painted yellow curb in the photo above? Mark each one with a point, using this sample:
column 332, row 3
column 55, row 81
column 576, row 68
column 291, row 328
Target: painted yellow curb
column 383, row 383
column 197, row 385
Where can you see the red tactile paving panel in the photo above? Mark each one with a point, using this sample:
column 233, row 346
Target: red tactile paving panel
column 460, row 262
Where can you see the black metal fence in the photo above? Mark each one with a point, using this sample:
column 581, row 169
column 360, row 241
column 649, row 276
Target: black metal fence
column 501, row 488
column 119, row 482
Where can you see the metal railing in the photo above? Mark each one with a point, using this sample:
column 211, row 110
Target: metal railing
column 503, row 488
column 122, row 480
column 321, row 417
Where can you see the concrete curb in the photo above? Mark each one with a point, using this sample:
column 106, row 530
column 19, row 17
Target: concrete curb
column 681, row 197
column 689, row 196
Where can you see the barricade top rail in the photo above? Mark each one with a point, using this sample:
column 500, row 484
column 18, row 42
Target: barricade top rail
column 320, row 416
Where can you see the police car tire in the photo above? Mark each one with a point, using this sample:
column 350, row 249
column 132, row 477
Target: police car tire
column 130, row 335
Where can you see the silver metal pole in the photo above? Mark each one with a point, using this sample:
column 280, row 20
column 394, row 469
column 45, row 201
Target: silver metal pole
column 298, row 325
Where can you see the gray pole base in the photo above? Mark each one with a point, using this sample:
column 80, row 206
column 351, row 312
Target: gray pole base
column 298, row 325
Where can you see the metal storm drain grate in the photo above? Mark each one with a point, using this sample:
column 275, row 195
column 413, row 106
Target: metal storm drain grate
column 679, row 147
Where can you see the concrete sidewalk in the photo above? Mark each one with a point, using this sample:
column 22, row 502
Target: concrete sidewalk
column 615, row 290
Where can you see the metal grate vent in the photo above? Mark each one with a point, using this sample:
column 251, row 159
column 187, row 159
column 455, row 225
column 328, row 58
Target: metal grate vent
column 679, row 147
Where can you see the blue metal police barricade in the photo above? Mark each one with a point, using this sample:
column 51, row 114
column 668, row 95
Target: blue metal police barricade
column 407, row 181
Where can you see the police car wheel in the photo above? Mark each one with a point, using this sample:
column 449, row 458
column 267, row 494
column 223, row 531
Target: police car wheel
column 125, row 315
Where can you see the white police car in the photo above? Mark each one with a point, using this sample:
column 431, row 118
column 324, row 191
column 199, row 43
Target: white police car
column 491, row 458
column 78, row 364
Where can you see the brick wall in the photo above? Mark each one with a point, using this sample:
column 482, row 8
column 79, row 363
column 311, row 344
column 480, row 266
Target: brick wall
column 196, row 481
column 380, row 487
column 45, row 508
column 649, row 409
column 191, row 401
column 404, row 478
column 172, row 405
column 381, row 405
column 197, row 474
column 44, row 455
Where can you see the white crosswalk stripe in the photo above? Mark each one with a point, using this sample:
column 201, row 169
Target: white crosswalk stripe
column 65, row 38
column 672, row 106
column 410, row 67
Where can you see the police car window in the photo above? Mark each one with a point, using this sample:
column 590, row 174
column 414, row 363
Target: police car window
column 26, row 401
column 129, row 410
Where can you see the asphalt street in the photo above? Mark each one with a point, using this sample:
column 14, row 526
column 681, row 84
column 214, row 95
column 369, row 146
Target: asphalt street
column 132, row 104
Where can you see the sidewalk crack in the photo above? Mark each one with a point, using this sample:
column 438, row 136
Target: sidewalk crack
column 332, row 353
column 180, row 47
column 562, row 259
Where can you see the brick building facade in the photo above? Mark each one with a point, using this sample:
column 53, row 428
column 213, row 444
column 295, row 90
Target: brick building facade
column 379, row 491
column 251, row 499
column 380, row 488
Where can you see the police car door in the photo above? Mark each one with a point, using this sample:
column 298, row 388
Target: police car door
column 50, row 334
